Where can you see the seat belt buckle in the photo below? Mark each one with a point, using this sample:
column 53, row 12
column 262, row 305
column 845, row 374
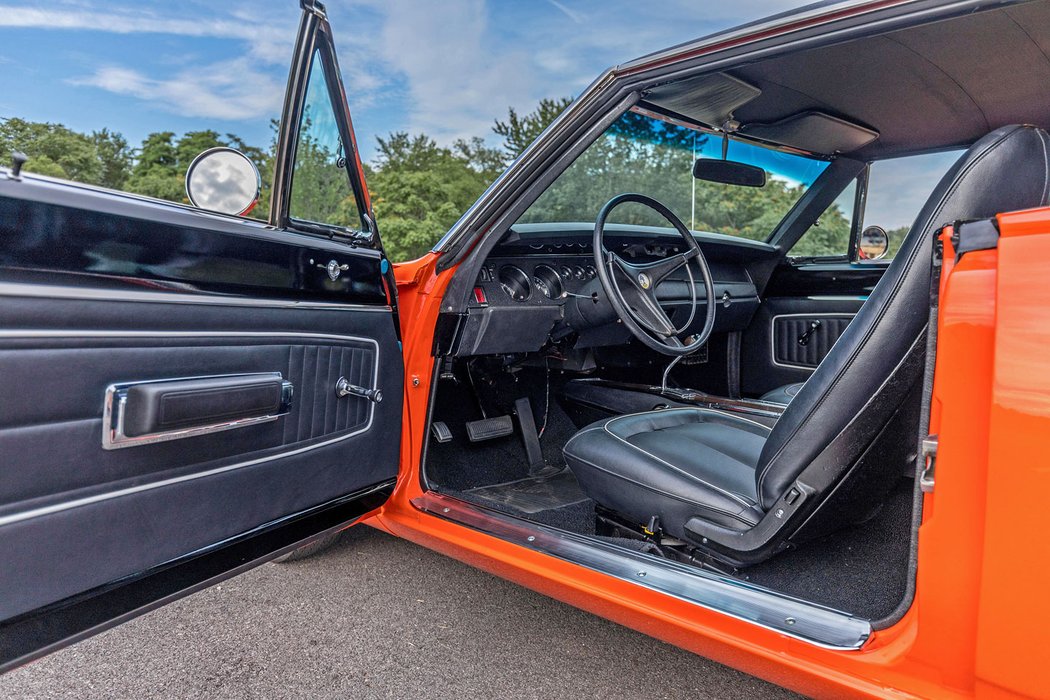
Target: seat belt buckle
column 929, row 456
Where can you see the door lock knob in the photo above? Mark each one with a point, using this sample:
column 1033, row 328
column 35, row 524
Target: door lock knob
column 345, row 388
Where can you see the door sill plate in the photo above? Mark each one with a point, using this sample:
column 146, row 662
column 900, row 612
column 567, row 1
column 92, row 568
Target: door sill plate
column 816, row 624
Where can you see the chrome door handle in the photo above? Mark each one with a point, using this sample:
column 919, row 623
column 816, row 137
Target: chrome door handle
column 134, row 413
column 345, row 388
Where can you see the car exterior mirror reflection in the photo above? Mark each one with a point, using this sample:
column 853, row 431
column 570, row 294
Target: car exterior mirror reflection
column 874, row 243
column 223, row 180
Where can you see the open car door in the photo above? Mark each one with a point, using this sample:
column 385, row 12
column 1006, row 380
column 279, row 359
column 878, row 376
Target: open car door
column 186, row 394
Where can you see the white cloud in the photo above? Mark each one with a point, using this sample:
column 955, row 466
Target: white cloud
column 267, row 39
column 451, row 68
column 458, row 76
column 249, row 86
column 565, row 10
column 225, row 90
column 458, row 65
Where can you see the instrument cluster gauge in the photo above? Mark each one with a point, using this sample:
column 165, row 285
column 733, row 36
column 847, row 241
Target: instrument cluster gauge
column 548, row 281
column 591, row 272
column 515, row 283
column 566, row 272
column 579, row 273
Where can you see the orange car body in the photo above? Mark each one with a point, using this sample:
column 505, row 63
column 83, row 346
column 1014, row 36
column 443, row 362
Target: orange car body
column 976, row 628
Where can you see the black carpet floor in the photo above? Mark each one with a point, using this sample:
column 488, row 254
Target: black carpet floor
column 862, row 570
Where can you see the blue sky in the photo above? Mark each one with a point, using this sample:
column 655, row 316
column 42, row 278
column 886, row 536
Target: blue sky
column 448, row 68
column 445, row 68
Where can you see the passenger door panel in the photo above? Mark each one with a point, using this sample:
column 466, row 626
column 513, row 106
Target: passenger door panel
column 781, row 346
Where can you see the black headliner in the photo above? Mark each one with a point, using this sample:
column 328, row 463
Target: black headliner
column 923, row 88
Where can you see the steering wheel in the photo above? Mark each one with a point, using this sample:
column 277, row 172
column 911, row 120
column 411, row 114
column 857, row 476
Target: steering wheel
column 631, row 287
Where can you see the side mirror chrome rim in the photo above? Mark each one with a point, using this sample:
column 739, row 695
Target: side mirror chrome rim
column 223, row 180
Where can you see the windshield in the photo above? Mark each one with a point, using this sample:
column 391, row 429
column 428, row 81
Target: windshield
column 644, row 154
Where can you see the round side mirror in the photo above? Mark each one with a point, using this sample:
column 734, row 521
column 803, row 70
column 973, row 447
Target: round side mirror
column 874, row 243
column 224, row 180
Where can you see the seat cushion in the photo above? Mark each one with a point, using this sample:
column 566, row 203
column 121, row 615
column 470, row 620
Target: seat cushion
column 783, row 394
column 675, row 464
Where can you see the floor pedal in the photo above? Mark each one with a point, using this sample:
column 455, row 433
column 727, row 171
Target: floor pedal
column 440, row 431
column 529, row 435
column 490, row 428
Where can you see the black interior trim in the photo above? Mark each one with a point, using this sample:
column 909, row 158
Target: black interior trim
column 67, row 234
column 30, row 636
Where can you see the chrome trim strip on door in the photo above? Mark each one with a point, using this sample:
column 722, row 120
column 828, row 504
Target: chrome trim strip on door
column 98, row 498
column 33, row 291
column 115, row 404
column 773, row 335
column 815, row 624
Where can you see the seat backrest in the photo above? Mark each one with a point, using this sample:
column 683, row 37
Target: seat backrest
column 854, row 392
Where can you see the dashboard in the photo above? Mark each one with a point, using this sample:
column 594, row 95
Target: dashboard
column 540, row 286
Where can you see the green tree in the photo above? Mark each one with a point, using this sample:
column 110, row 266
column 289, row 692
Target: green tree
column 115, row 158
column 53, row 150
column 420, row 188
column 519, row 131
column 155, row 173
column 191, row 145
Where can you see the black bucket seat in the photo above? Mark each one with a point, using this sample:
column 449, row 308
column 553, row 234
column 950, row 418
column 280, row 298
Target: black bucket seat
column 741, row 490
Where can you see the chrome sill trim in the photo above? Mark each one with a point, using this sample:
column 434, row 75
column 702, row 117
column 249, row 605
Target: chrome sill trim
column 116, row 399
column 46, row 291
column 814, row 624
column 20, row 516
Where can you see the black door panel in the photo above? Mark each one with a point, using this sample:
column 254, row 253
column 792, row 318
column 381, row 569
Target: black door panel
column 796, row 296
column 804, row 339
column 74, row 516
column 770, row 354
column 824, row 279
column 128, row 242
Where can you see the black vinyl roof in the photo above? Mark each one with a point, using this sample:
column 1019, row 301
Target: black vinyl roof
column 923, row 88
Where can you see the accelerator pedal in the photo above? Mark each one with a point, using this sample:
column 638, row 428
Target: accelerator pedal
column 490, row 428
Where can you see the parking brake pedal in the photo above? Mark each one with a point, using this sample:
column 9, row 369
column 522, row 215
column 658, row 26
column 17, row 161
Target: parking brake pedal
column 490, row 428
column 528, row 434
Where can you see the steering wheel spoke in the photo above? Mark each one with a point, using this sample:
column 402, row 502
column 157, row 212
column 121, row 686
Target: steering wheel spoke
column 661, row 269
column 641, row 300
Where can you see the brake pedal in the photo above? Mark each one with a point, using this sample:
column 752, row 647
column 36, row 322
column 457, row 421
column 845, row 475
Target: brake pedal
column 489, row 428
column 440, row 431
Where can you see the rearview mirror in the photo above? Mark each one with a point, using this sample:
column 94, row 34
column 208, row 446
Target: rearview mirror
column 224, row 180
column 729, row 172
column 873, row 244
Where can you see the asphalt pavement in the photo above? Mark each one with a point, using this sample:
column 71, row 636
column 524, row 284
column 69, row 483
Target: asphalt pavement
column 375, row 617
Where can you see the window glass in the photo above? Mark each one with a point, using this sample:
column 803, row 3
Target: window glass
column 641, row 153
column 829, row 236
column 321, row 191
column 897, row 189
